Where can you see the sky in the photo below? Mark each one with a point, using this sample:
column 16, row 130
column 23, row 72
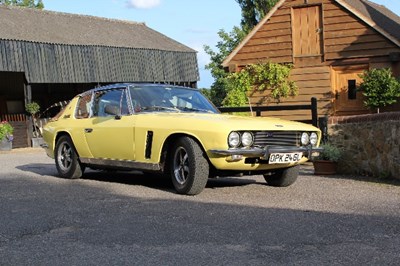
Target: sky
column 194, row 23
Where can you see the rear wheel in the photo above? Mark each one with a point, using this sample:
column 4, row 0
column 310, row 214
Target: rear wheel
column 188, row 167
column 66, row 157
column 283, row 177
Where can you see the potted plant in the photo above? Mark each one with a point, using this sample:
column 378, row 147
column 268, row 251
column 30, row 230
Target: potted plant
column 33, row 108
column 326, row 162
column 6, row 136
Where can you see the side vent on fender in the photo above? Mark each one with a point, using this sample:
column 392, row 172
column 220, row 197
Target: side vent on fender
column 149, row 143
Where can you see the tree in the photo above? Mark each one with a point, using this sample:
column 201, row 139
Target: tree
column 225, row 46
column 380, row 88
column 25, row 3
column 253, row 11
column 33, row 108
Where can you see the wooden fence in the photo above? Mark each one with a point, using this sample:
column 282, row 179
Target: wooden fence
column 258, row 109
column 13, row 117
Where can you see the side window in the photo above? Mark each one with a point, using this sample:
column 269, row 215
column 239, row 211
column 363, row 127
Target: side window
column 83, row 109
column 110, row 103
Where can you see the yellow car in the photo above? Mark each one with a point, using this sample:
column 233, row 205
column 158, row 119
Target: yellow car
column 174, row 131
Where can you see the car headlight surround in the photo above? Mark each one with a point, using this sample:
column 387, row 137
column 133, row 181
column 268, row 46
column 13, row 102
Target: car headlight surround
column 305, row 138
column 247, row 139
column 234, row 139
column 313, row 138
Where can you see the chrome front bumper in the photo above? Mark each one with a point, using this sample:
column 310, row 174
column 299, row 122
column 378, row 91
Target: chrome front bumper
column 307, row 151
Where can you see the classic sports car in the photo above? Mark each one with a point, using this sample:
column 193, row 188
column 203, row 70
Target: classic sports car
column 174, row 131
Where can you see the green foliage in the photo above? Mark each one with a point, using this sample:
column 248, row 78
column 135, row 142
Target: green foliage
column 32, row 108
column 330, row 153
column 25, row 3
column 380, row 88
column 6, row 131
column 271, row 77
column 225, row 46
column 253, row 11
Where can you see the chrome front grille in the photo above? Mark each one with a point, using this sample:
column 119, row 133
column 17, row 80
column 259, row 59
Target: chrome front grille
column 277, row 138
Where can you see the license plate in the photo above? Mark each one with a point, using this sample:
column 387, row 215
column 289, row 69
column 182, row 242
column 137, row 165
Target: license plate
column 276, row 158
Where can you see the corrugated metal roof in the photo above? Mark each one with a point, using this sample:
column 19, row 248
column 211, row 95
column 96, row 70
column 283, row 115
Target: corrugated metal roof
column 52, row 47
column 29, row 24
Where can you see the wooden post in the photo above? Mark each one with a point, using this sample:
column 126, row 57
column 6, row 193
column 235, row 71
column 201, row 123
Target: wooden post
column 314, row 112
column 28, row 99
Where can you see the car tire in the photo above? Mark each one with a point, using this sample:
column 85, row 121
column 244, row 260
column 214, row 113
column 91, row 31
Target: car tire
column 283, row 177
column 188, row 167
column 66, row 157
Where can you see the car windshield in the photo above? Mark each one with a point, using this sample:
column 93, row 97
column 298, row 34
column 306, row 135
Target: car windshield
column 152, row 98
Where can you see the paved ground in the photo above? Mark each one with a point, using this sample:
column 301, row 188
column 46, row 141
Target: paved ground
column 132, row 219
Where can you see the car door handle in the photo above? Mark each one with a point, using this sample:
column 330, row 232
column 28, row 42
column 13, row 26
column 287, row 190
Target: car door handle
column 88, row 130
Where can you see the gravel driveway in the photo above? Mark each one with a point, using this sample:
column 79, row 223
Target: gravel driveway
column 134, row 219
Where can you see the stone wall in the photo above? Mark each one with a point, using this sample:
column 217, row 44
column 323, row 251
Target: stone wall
column 370, row 143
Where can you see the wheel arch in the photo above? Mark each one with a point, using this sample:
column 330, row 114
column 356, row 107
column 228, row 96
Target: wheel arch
column 59, row 135
column 169, row 141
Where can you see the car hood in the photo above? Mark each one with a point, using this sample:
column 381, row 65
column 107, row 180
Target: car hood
column 233, row 122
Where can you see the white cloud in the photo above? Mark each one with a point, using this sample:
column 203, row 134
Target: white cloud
column 143, row 4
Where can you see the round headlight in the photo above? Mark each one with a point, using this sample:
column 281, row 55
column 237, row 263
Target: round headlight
column 247, row 139
column 305, row 138
column 234, row 139
column 313, row 138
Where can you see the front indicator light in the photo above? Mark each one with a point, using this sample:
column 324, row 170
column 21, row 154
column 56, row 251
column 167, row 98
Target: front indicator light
column 234, row 158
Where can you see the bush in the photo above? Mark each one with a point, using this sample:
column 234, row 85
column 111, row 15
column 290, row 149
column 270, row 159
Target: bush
column 6, row 131
column 330, row 153
column 32, row 108
column 380, row 88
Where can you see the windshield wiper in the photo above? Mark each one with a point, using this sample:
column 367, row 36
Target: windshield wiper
column 159, row 108
column 195, row 110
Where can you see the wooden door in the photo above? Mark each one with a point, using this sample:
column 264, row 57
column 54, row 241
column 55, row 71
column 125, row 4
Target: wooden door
column 307, row 31
column 348, row 100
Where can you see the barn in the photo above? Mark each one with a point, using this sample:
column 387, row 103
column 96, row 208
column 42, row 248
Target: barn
column 48, row 57
column 330, row 43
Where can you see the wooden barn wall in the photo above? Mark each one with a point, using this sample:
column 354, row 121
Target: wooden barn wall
column 53, row 63
column 346, row 40
column 272, row 42
column 346, row 36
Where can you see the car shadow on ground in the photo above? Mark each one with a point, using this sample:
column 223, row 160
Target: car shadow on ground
column 137, row 178
column 157, row 181
column 43, row 169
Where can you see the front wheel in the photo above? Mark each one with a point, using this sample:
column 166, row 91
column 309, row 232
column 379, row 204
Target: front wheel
column 283, row 177
column 188, row 167
column 66, row 157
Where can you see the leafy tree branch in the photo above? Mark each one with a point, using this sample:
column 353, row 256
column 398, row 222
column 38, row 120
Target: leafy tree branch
column 25, row 3
column 272, row 78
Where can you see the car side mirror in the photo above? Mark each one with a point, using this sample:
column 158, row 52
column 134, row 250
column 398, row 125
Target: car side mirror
column 112, row 109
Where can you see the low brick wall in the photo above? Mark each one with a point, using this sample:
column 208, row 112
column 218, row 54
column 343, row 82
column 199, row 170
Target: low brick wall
column 20, row 134
column 371, row 143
